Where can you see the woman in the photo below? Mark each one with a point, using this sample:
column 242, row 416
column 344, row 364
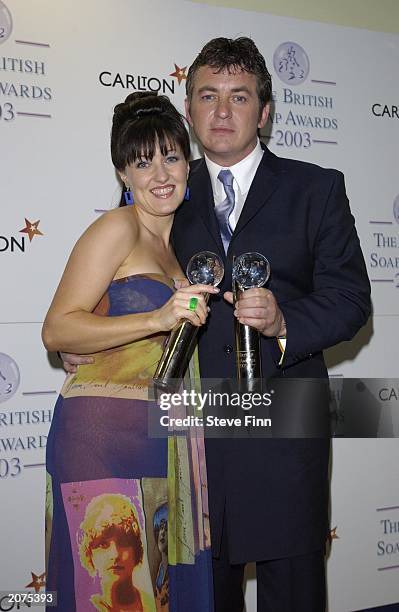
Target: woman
column 116, row 300
column 160, row 522
column 110, row 545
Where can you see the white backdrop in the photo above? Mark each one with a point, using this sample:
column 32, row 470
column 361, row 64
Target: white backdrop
column 63, row 66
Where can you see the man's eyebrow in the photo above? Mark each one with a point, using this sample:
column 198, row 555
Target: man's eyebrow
column 215, row 89
column 206, row 88
column 238, row 89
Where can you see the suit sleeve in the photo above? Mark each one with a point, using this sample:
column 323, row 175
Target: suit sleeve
column 339, row 304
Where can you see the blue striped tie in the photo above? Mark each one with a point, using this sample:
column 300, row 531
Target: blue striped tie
column 224, row 210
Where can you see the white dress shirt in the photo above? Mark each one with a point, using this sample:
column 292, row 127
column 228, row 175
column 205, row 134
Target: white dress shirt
column 243, row 173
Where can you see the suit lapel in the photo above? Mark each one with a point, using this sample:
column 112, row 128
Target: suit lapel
column 264, row 184
column 203, row 202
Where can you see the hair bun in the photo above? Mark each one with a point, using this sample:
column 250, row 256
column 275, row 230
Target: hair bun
column 150, row 110
column 141, row 104
column 139, row 95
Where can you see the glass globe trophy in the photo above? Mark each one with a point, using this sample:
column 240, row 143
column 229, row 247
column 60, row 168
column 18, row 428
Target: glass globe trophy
column 203, row 268
column 249, row 270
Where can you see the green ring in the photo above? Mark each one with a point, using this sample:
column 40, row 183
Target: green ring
column 192, row 305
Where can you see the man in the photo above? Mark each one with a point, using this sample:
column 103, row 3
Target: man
column 268, row 498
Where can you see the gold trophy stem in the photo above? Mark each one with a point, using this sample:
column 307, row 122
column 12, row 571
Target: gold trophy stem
column 177, row 354
column 247, row 349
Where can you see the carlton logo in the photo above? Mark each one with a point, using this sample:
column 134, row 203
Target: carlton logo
column 291, row 63
column 5, row 22
column 179, row 73
column 143, row 82
column 386, row 394
column 391, row 111
column 18, row 243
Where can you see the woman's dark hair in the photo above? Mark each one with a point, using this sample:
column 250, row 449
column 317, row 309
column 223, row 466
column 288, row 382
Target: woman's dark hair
column 141, row 122
column 233, row 54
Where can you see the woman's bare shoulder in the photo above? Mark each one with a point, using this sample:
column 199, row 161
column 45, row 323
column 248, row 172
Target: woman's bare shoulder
column 116, row 224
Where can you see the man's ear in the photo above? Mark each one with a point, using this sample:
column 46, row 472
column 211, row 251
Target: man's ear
column 187, row 109
column 264, row 116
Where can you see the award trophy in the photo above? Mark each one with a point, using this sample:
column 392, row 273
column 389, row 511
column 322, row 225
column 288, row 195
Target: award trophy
column 249, row 270
column 203, row 268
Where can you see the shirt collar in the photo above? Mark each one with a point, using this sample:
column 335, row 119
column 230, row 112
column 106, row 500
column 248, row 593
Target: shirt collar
column 243, row 172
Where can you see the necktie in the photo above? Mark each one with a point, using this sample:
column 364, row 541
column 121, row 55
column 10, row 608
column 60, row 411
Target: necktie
column 224, row 210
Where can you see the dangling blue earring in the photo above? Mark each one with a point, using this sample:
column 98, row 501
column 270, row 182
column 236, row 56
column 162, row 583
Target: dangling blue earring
column 187, row 193
column 128, row 195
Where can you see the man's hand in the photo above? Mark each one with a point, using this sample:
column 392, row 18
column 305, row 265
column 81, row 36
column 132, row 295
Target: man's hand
column 258, row 308
column 70, row 361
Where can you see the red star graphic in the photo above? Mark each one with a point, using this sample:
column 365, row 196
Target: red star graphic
column 179, row 73
column 38, row 582
column 31, row 229
column 333, row 534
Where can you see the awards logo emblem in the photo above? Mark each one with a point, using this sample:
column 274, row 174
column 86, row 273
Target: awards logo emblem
column 291, row 63
column 396, row 208
column 5, row 22
column 9, row 377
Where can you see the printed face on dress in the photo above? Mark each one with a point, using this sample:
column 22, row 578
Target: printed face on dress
column 163, row 536
column 112, row 559
column 224, row 113
column 158, row 184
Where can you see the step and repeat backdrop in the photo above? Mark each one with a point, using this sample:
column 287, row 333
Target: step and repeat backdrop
column 63, row 67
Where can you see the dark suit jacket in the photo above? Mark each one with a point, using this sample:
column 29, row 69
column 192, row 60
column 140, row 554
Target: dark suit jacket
column 272, row 495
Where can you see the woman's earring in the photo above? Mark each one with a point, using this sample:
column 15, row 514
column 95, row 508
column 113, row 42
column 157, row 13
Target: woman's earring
column 128, row 195
column 187, row 193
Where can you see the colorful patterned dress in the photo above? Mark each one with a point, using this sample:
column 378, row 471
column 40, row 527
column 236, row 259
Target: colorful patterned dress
column 127, row 526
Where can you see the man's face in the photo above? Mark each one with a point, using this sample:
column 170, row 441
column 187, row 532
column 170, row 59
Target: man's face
column 224, row 113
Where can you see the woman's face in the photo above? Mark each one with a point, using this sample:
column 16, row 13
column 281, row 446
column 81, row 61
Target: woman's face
column 163, row 536
column 111, row 560
column 158, row 185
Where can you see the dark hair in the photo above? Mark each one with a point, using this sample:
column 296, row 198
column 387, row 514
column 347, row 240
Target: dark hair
column 141, row 122
column 161, row 514
column 232, row 54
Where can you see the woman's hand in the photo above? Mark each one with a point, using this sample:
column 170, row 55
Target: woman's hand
column 178, row 307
